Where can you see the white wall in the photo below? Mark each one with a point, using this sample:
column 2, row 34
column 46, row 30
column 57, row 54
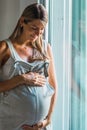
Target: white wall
column 24, row 3
column 10, row 10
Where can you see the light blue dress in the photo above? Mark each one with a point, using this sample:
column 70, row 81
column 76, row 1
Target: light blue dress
column 23, row 104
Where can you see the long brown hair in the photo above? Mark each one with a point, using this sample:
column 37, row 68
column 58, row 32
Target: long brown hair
column 30, row 13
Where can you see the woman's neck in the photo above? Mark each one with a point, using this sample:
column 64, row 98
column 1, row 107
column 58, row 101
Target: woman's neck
column 21, row 41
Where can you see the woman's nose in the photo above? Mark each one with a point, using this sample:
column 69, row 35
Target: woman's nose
column 38, row 32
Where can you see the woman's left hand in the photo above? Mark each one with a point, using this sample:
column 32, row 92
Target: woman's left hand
column 28, row 127
column 44, row 123
column 37, row 126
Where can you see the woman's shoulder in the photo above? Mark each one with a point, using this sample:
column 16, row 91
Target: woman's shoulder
column 48, row 49
column 3, row 46
column 3, row 50
column 47, row 45
column 45, row 42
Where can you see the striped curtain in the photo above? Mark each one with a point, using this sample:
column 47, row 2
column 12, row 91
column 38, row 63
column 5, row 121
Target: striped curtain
column 78, row 98
column 67, row 32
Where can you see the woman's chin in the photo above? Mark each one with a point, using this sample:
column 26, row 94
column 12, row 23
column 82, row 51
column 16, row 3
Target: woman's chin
column 33, row 39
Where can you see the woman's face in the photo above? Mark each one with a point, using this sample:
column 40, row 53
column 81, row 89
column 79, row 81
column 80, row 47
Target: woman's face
column 33, row 30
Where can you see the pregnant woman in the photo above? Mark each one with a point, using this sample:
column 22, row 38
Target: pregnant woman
column 28, row 83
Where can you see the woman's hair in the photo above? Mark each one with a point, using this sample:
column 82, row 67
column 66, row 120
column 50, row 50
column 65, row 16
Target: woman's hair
column 30, row 13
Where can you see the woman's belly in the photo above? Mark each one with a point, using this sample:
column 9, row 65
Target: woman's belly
column 26, row 105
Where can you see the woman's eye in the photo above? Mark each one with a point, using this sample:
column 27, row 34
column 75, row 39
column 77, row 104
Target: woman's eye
column 34, row 28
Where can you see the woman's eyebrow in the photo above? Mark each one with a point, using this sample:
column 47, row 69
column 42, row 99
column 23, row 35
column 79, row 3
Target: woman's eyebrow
column 36, row 26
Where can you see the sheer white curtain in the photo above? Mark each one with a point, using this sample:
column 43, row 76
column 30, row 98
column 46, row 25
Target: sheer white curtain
column 67, row 63
column 58, row 33
column 67, row 32
column 86, row 72
column 79, row 56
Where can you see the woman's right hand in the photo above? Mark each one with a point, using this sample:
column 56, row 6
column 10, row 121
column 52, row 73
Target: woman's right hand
column 27, row 127
column 33, row 78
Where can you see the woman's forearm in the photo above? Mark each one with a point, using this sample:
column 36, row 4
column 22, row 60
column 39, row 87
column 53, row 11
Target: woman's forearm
column 52, row 105
column 30, row 78
column 10, row 83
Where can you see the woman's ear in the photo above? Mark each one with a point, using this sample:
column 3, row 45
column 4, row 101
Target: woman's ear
column 21, row 21
column 26, row 21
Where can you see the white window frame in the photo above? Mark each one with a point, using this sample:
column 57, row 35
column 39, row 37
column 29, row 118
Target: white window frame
column 67, row 60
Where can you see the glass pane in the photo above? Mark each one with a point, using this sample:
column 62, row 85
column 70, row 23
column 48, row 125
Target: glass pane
column 78, row 65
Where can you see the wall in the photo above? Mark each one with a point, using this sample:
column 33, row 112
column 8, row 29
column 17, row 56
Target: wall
column 10, row 10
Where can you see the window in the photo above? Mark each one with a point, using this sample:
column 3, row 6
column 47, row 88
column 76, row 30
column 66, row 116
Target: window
column 67, row 32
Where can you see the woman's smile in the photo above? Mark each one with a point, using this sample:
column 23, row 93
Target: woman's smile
column 34, row 37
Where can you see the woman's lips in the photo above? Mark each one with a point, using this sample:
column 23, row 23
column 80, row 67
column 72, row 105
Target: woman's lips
column 33, row 36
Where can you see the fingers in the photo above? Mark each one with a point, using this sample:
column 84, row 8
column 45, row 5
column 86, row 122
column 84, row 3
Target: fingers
column 27, row 127
column 37, row 126
column 40, row 80
column 43, row 124
column 33, row 78
column 32, row 75
column 40, row 124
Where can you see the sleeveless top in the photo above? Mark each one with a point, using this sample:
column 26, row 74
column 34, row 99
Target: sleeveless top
column 24, row 104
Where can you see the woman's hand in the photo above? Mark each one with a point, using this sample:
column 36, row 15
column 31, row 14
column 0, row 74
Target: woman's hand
column 38, row 126
column 44, row 123
column 33, row 78
column 27, row 127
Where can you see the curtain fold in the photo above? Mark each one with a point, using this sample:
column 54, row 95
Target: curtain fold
column 78, row 90
column 68, row 34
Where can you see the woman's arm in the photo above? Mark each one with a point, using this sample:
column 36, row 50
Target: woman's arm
column 52, row 80
column 11, row 83
column 29, row 78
